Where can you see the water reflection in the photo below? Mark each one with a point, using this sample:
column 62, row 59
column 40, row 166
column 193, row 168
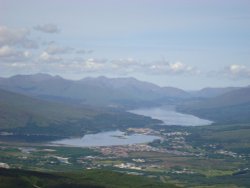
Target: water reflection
column 170, row 117
column 108, row 138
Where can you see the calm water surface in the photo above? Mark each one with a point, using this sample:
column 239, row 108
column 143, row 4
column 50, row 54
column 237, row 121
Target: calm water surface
column 170, row 117
column 108, row 138
column 111, row 138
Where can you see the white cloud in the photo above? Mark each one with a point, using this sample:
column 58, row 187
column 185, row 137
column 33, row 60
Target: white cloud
column 11, row 36
column 47, row 28
column 6, row 51
column 18, row 65
column 84, row 51
column 93, row 65
column 12, row 42
column 88, row 65
column 130, row 65
column 237, row 70
column 164, row 67
column 8, row 54
column 18, row 37
column 125, row 62
column 179, row 67
column 55, row 49
column 57, row 60
column 27, row 54
column 46, row 57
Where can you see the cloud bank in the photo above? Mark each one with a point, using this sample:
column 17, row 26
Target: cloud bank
column 16, row 37
column 20, row 53
column 237, row 71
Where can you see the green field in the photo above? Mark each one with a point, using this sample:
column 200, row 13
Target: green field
column 207, row 156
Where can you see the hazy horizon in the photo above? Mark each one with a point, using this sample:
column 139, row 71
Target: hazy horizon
column 109, row 77
column 184, row 44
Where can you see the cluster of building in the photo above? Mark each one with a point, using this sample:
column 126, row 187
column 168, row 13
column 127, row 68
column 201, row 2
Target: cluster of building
column 228, row 153
column 131, row 166
column 4, row 165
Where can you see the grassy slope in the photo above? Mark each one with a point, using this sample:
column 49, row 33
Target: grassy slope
column 87, row 179
column 23, row 109
column 215, row 168
column 232, row 107
column 24, row 114
column 226, row 114
column 232, row 137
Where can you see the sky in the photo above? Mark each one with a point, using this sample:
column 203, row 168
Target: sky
column 188, row 44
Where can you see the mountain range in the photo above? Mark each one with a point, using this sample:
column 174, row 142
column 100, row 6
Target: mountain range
column 210, row 92
column 59, row 94
column 230, row 107
column 101, row 91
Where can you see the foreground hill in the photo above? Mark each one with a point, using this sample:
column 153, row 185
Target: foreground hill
column 14, row 178
column 27, row 115
column 95, row 91
column 233, row 106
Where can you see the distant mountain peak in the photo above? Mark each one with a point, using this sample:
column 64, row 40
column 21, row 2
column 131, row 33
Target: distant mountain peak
column 35, row 77
column 100, row 90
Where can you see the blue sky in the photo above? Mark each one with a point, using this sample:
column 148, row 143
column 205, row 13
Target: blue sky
column 188, row 44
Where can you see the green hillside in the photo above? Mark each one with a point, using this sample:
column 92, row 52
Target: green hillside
column 232, row 107
column 27, row 115
column 18, row 110
column 14, row 178
column 231, row 137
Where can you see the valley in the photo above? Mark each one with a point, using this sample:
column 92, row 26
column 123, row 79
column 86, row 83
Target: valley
column 170, row 145
column 180, row 157
column 124, row 94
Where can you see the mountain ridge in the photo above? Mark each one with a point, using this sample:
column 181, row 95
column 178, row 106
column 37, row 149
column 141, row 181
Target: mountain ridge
column 233, row 106
column 96, row 91
column 209, row 92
